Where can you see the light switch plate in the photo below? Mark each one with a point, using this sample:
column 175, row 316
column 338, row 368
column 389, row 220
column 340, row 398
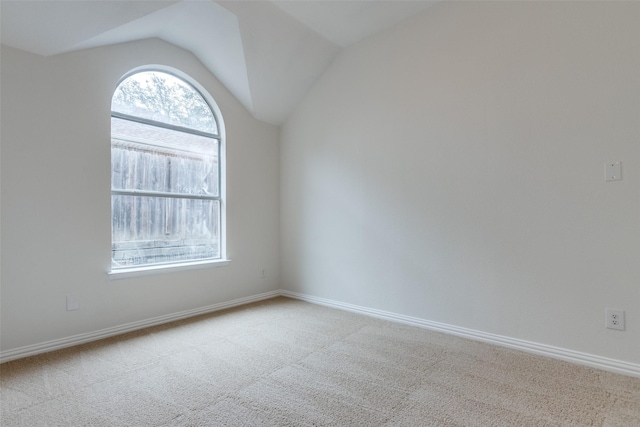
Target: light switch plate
column 613, row 171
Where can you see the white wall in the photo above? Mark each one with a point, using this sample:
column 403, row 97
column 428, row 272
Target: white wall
column 452, row 169
column 56, row 198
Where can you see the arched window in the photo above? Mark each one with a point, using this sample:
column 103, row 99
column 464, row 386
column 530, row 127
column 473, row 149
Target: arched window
column 166, row 204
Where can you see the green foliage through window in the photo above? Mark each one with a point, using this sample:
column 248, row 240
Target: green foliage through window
column 163, row 98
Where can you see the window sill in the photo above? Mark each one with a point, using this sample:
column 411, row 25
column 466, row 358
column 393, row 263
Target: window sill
column 123, row 273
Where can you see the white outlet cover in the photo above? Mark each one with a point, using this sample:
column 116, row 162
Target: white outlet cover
column 615, row 319
column 613, row 171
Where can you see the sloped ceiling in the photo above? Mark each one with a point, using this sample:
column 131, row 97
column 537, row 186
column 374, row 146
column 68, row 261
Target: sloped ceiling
column 267, row 53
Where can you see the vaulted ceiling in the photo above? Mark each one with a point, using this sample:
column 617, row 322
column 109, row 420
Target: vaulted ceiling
column 267, row 53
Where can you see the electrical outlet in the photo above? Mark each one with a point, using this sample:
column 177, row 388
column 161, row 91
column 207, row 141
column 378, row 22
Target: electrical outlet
column 615, row 319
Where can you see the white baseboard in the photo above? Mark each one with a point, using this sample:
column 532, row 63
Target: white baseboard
column 30, row 350
column 598, row 362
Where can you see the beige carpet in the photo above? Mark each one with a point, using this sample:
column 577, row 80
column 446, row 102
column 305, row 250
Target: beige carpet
column 288, row 363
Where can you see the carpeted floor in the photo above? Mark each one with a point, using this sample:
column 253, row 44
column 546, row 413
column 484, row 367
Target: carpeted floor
column 283, row 362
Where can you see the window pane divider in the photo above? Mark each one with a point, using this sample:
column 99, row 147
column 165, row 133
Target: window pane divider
column 163, row 125
column 163, row 194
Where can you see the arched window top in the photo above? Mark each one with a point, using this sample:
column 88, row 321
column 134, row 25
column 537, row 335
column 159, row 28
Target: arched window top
column 161, row 97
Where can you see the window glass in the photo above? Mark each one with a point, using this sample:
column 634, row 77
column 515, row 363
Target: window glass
column 160, row 230
column 164, row 98
column 146, row 157
column 165, row 173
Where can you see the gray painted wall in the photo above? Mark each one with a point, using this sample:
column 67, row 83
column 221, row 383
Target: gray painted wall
column 56, row 198
column 449, row 169
column 452, row 169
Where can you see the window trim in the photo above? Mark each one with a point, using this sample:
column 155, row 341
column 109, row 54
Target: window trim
column 222, row 260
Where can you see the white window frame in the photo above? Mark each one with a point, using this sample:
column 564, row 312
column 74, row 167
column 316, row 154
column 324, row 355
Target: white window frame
column 222, row 260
